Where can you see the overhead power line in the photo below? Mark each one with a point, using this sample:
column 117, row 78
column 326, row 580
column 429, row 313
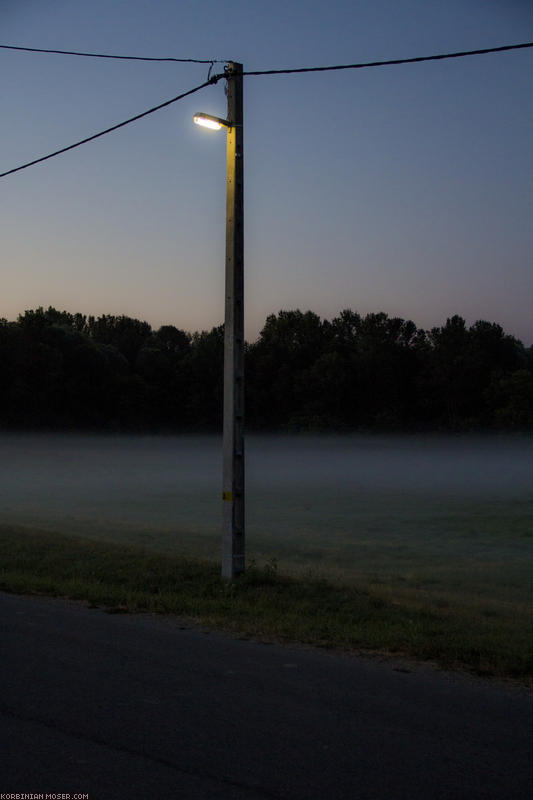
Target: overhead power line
column 106, row 55
column 362, row 65
column 113, row 128
column 439, row 57
column 215, row 78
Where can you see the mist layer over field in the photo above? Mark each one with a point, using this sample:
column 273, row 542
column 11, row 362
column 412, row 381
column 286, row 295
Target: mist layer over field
column 448, row 514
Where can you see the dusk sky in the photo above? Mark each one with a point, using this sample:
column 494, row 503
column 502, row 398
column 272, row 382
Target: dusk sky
column 405, row 189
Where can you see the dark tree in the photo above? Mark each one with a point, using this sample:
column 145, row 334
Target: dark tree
column 126, row 334
column 373, row 372
column 289, row 344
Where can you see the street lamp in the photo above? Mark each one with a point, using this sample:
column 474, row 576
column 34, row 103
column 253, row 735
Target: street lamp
column 209, row 121
column 233, row 538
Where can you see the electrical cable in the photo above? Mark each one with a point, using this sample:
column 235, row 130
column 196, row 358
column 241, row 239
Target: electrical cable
column 105, row 55
column 210, row 82
column 392, row 61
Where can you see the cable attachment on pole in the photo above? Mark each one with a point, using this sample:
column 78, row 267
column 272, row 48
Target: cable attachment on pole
column 212, row 79
column 226, row 70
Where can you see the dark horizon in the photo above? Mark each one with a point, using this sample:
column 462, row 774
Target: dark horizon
column 373, row 372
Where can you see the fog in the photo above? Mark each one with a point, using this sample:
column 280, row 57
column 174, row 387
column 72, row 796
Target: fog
column 302, row 483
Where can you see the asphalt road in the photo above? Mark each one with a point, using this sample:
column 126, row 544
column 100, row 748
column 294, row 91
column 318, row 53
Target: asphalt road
column 123, row 707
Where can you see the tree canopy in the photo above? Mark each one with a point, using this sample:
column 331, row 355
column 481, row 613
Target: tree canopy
column 374, row 372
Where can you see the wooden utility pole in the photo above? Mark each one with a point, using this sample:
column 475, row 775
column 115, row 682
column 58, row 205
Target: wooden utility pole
column 233, row 534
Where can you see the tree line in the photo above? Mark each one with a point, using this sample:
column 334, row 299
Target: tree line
column 374, row 372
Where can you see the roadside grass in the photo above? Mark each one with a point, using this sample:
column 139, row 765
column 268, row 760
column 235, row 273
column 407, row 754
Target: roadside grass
column 486, row 636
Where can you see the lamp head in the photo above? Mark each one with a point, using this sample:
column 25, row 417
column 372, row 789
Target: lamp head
column 211, row 122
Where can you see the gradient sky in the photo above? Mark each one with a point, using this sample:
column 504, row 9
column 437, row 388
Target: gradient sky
column 402, row 189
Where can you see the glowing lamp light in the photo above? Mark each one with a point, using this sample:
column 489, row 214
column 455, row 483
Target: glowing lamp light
column 211, row 122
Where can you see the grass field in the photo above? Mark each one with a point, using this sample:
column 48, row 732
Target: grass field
column 433, row 537
column 437, row 548
column 464, row 603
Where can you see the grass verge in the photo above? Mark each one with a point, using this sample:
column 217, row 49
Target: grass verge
column 266, row 604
